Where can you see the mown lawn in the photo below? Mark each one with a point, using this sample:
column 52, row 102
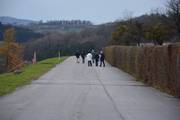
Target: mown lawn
column 10, row 81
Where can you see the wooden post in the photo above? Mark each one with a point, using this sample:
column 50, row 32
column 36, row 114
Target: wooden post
column 59, row 55
column 34, row 58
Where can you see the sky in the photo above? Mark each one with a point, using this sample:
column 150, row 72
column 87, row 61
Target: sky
column 97, row 11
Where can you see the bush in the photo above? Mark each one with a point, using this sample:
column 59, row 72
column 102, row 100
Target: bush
column 158, row 66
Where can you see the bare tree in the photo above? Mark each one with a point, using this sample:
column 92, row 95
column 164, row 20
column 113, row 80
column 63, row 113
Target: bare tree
column 158, row 11
column 127, row 15
column 173, row 11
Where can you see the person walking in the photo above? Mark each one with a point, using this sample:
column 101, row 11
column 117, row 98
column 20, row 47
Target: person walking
column 83, row 57
column 96, row 59
column 89, row 59
column 102, row 57
column 93, row 55
column 77, row 54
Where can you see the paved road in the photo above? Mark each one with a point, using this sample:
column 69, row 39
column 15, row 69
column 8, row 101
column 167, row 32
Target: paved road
column 73, row 91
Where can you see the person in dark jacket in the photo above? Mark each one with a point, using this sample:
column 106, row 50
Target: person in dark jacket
column 96, row 59
column 102, row 58
column 77, row 54
column 93, row 55
column 83, row 57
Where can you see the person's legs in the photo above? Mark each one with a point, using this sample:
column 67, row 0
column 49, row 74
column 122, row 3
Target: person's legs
column 100, row 63
column 103, row 63
column 96, row 62
column 88, row 63
column 91, row 63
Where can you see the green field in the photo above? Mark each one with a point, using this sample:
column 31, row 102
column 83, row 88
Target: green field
column 10, row 81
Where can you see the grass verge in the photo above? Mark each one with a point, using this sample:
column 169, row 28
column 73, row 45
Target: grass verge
column 10, row 81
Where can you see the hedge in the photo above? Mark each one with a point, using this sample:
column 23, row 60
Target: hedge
column 158, row 66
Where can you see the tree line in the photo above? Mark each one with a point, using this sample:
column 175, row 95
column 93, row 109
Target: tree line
column 66, row 22
column 68, row 43
column 157, row 27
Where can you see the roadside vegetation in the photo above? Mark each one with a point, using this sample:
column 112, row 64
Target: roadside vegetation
column 10, row 81
column 156, row 28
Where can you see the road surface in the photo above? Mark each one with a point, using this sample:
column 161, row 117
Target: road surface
column 72, row 91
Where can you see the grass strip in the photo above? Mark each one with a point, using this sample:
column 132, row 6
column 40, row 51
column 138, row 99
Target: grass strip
column 10, row 81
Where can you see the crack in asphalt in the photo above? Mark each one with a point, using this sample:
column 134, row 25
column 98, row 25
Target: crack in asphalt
column 109, row 96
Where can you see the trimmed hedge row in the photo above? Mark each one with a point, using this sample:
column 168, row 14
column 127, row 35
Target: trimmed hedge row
column 2, row 63
column 158, row 66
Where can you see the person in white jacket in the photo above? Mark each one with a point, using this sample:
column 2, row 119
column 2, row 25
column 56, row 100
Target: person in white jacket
column 89, row 59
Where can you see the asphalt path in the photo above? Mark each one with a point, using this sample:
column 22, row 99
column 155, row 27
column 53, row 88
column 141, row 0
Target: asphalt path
column 73, row 91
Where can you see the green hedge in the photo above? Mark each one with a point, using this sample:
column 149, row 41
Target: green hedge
column 158, row 66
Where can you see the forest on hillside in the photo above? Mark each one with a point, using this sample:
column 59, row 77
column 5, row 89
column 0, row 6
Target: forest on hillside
column 70, row 42
column 49, row 38
column 22, row 34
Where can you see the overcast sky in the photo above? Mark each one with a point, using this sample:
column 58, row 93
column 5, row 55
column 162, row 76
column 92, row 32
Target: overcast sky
column 97, row 11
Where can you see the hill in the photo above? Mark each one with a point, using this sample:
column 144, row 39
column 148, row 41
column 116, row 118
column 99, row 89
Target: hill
column 22, row 34
column 15, row 22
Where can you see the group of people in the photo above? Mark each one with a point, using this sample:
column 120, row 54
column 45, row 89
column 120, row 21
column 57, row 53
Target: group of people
column 92, row 57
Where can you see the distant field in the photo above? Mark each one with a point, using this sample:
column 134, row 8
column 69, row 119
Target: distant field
column 10, row 81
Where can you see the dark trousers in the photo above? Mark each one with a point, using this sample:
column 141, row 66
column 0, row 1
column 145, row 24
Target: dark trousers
column 89, row 63
column 93, row 60
column 102, row 62
column 96, row 62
